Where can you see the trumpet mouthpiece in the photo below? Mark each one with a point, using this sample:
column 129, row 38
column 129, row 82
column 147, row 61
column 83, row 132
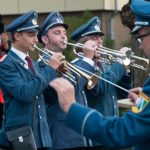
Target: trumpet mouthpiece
column 65, row 42
column 35, row 46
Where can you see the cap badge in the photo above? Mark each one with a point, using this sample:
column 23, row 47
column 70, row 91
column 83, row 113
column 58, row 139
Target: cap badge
column 97, row 20
column 34, row 21
column 97, row 28
column 59, row 20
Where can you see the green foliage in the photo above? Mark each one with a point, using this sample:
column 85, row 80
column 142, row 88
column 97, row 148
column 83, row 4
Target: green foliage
column 108, row 42
column 35, row 54
column 75, row 22
column 127, row 44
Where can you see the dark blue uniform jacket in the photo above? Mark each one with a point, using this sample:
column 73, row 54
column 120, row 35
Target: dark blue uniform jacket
column 21, row 90
column 133, row 129
column 62, row 136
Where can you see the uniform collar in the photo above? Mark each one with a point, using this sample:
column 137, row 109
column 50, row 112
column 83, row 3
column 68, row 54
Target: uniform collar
column 19, row 54
column 18, row 59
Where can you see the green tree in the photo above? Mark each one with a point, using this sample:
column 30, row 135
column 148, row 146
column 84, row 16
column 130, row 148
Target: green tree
column 108, row 42
column 74, row 22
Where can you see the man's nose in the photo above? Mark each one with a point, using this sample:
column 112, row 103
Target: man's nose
column 140, row 46
column 36, row 40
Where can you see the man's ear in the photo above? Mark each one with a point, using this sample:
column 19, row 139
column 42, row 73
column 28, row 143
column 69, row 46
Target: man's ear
column 44, row 39
column 17, row 36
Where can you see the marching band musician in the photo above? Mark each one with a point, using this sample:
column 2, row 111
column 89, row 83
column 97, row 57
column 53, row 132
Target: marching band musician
column 133, row 128
column 23, row 82
column 53, row 34
column 104, row 101
column 114, row 72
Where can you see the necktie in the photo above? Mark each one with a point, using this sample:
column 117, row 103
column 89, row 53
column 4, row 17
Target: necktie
column 99, row 64
column 30, row 65
column 1, row 97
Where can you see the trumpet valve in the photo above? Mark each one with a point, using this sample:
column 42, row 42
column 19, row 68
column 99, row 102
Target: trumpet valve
column 126, row 62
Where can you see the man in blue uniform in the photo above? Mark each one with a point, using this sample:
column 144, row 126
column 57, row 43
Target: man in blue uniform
column 133, row 129
column 104, row 101
column 22, row 82
column 53, row 34
column 105, row 98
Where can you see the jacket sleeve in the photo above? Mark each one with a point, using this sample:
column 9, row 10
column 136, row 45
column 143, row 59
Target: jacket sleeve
column 110, row 131
column 125, row 82
column 23, row 90
column 114, row 74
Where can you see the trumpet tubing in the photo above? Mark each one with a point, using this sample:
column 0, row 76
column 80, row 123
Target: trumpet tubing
column 110, row 52
column 135, row 61
column 110, row 55
column 92, row 80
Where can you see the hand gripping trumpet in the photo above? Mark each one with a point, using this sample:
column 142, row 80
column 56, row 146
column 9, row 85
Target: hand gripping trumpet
column 110, row 55
column 137, row 107
column 92, row 80
column 129, row 59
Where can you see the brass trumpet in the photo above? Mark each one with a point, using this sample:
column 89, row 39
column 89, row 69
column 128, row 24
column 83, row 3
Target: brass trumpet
column 110, row 55
column 129, row 59
column 92, row 80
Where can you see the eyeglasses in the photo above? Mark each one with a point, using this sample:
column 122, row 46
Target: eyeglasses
column 141, row 37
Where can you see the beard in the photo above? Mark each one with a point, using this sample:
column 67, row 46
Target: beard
column 56, row 47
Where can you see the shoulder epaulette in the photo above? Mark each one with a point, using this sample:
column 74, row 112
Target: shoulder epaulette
column 75, row 60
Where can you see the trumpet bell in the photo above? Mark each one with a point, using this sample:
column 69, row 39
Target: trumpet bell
column 110, row 55
column 92, row 82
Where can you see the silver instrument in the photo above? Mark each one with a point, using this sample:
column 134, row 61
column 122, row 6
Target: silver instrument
column 109, row 56
column 92, row 80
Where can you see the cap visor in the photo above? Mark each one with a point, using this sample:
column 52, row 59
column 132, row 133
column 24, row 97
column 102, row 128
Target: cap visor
column 97, row 33
column 59, row 24
column 136, row 28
